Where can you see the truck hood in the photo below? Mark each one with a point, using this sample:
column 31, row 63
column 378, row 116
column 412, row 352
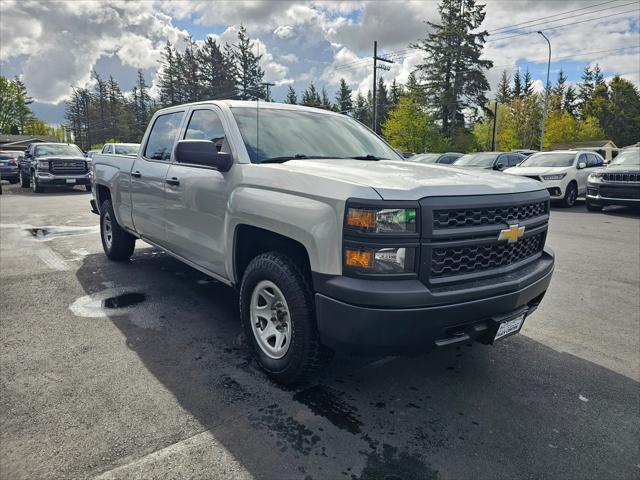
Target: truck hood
column 61, row 157
column 398, row 180
column 536, row 170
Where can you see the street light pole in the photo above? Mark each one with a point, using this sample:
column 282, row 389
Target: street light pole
column 546, row 93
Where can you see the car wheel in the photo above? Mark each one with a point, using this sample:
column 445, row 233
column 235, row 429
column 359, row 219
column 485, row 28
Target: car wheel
column 34, row 184
column 117, row 243
column 570, row 195
column 24, row 180
column 278, row 317
column 594, row 207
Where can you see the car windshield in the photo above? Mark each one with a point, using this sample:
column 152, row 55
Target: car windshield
column 127, row 149
column 549, row 160
column 66, row 150
column 476, row 160
column 627, row 158
column 425, row 158
column 285, row 134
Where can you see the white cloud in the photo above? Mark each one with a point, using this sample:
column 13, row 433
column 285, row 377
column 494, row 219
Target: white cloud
column 284, row 31
column 289, row 58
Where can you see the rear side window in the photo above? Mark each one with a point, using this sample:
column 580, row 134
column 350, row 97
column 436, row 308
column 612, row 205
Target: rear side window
column 206, row 125
column 162, row 137
column 594, row 160
column 515, row 160
column 448, row 159
column 502, row 160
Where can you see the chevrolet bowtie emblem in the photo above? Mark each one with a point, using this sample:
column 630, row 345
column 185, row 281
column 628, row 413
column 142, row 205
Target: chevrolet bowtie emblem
column 511, row 234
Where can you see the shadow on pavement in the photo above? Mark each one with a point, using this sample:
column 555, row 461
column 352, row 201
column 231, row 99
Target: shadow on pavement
column 516, row 410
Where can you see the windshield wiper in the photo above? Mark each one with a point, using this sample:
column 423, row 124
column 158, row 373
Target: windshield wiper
column 367, row 157
column 297, row 156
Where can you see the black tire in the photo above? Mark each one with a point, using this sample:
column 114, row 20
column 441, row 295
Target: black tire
column 305, row 354
column 594, row 207
column 35, row 186
column 122, row 243
column 87, row 188
column 13, row 181
column 570, row 195
column 25, row 182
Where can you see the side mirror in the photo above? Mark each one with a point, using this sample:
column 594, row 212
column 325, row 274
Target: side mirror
column 582, row 165
column 203, row 152
column 498, row 166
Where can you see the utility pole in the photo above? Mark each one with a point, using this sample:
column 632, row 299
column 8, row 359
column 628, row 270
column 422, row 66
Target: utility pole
column 495, row 120
column 376, row 58
column 546, row 94
column 267, row 85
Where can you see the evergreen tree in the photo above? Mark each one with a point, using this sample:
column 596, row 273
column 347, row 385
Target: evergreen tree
column 569, row 102
column 22, row 115
column 598, row 78
column 168, row 77
column 527, row 87
column 100, row 94
column 291, row 96
column 623, row 126
column 141, row 106
column 585, row 88
column 217, row 79
column 452, row 70
column 395, row 92
column 361, row 110
column 344, row 104
column 310, row 97
column 517, row 85
column 190, row 73
column 383, row 104
column 414, row 90
column 504, row 90
column 248, row 72
column 324, row 101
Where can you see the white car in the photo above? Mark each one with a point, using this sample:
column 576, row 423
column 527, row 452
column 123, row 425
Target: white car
column 563, row 172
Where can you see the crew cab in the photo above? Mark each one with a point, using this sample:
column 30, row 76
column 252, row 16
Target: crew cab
column 617, row 184
column 563, row 172
column 53, row 165
column 332, row 238
column 129, row 149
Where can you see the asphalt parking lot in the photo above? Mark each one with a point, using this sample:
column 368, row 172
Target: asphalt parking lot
column 159, row 385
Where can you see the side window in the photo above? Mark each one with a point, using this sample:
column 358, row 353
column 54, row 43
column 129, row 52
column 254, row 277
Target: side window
column 162, row 136
column 515, row 160
column 502, row 161
column 447, row 159
column 206, row 125
column 594, row 161
column 583, row 159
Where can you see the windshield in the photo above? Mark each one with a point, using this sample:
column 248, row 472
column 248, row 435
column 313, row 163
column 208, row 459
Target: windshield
column 476, row 160
column 425, row 158
column 549, row 160
column 65, row 150
column 127, row 149
column 285, row 134
column 627, row 158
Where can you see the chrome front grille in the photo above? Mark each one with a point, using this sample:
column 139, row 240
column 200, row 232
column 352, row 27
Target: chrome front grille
column 62, row 167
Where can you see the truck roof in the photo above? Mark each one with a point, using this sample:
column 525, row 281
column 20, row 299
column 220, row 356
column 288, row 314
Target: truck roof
column 254, row 104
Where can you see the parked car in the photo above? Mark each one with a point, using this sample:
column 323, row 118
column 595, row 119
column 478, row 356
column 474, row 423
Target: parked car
column 563, row 172
column 130, row 149
column 444, row 158
column 617, row 184
column 9, row 166
column 525, row 152
column 53, row 165
column 489, row 160
column 332, row 245
column 91, row 153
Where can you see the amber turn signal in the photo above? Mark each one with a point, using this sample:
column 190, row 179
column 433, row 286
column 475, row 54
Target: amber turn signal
column 358, row 258
column 361, row 218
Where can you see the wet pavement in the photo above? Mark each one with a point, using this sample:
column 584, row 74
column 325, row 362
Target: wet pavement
column 138, row 370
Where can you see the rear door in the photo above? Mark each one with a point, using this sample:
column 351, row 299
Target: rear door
column 148, row 176
column 197, row 197
column 582, row 174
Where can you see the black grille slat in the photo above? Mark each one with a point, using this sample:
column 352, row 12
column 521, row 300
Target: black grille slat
column 468, row 259
column 621, row 177
column 467, row 217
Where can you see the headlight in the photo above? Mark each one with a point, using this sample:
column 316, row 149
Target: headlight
column 387, row 260
column 387, row 220
column 595, row 177
column 557, row 176
column 43, row 165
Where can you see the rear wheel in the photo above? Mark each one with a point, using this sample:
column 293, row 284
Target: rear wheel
column 570, row 195
column 24, row 180
column 117, row 243
column 278, row 317
column 35, row 186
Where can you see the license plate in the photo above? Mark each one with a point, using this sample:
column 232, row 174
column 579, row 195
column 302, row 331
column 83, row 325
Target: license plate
column 510, row 326
column 71, row 180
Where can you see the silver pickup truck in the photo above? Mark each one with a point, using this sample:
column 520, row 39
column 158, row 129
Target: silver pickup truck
column 333, row 239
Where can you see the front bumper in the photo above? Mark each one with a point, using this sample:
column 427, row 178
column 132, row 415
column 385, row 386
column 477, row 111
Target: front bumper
column 415, row 320
column 9, row 173
column 615, row 194
column 51, row 180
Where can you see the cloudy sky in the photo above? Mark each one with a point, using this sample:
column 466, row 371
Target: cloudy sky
column 56, row 45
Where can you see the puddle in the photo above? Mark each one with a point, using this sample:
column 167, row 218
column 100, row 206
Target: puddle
column 50, row 232
column 38, row 232
column 394, row 466
column 124, row 300
column 326, row 402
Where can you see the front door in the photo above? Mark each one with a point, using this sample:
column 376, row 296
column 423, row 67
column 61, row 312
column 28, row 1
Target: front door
column 582, row 173
column 148, row 176
column 196, row 199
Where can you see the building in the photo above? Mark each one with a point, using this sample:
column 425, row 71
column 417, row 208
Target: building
column 606, row 148
column 21, row 142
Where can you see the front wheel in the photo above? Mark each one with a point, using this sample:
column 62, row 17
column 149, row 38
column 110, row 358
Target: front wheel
column 117, row 243
column 24, row 181
column 278, row 317
column 35, row 186
column 570, row 196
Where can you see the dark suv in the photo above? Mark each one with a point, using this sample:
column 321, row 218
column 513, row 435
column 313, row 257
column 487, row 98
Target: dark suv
column 54, row 165
column 489, row 160
column 9, row 166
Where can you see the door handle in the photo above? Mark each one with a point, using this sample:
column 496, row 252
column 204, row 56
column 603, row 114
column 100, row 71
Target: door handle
column 136, row 174
column 173, row 181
